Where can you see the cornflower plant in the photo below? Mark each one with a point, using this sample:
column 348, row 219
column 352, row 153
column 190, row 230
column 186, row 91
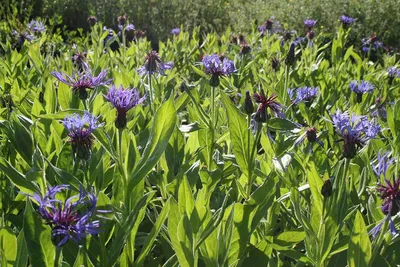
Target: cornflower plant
column 80, row 129
column 354, row 130
column 82, row 81
column 123, row 100
column 302, row 94
column 154, row 65
column 346, row 21
column 72, row 219
column 361, row 88
column 392, row 73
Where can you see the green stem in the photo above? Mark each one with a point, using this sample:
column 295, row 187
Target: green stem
column 285, row 93
column 57, row 261
column 212, row 124
column 151, row 96
column 249, row 163
column 253, row 151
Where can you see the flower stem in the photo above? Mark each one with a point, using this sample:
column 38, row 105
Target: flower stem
column 212, row 124
column 151, row 96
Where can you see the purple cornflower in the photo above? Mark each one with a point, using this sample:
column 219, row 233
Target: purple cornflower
column 176, row 31
column 82, row 81
column 80, row 131
column 264, row 103
column 380, row 109
column 371, row 43
column 303, row 94
column 214, row 66
column 311, row 134
column 310, row 23
column 123, row 100
column 361, row 88
column 287, row 36
column 390, row 194
column 354, row 130
column 71, row 219
column 36, row 26
column 346, row 21
column 129, row 27
column 383, row 164
column 22, row 36
column 270, row 25
column 153, row 64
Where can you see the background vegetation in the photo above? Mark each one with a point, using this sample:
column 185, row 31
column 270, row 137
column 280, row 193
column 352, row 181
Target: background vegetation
column 158, row 17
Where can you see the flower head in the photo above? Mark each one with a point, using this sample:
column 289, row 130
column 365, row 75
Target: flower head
column 264, row 103
column 92, row 20
column 303, row 94
column 310, row 23
column 355, row 131
column 123, row 100
column 269, row 25
column 80, row 129
column 311, row 134
column 287, row 36
column 371, row 43
column 361, row 88
column 79, row 60
column 153, row 64
column 176, row 31
column 36, row 26
column 390, row 194
column 346, row 21
column 214, row 66
column 82, row 81
column 71, row 219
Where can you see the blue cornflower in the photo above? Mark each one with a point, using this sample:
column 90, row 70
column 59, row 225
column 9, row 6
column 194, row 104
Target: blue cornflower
column 361, row 88
column 393, row 72
column 71, row 219
column 265, row 102
column 80, row 131
column 311, row 134
column 346, row 21
column 214, row 66
column 176, row 31
column 153, row 64
column 379, row 109
column 123, row 100
column 36, row 26
column 129, row 27
column 303, row 94
column 310, row 23
column 354, row 130
column 82, row 81
column 22, row 36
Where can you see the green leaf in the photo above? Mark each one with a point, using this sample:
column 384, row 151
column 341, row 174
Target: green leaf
column 38, row 239
column 281, row 124
column 290, row 238
column 61, row 114
column 153, row 234
column 8, row 242
column 17, row 178
column 82, row 259
column 359, row 252
column 240, row 136
column 22, row 252
column 162, row 129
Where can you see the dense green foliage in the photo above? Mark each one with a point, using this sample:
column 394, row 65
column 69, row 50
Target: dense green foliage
column 158, row 17
column 188, row 182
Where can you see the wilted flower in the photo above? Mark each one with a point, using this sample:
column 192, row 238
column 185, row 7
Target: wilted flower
column 303, row 94
column 248, row 104
column 264, row 103
column 36, row 26
column 92, row 20
column 122, row 20
column 346, row 21
column 71, row 219
column 269, row 25
column 371, row 43
column 310, row 35
column 123, row 100
column 79, row 60
column 380, row 109
column 82, row 81
column 326, row 189
column 214, row 66
column 361, row 88
column 291, row 56
column 153, row 64
column 176, row 31
column 310, row 23
column 287, row 36
column 355, row 131
column 275, row 64
column 80, row 130
column 311, row 134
